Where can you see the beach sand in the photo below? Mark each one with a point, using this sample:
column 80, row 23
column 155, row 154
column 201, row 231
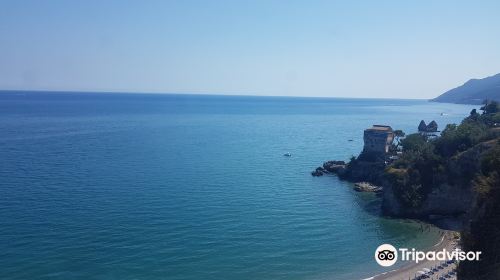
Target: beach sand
column 410, row 270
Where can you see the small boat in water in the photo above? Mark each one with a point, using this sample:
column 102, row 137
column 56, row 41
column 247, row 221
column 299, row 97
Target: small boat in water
column 287, row 155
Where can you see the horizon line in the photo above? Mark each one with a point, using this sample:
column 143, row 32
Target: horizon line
column 197, row 94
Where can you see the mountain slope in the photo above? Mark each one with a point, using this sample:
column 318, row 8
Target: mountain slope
column 474, row 91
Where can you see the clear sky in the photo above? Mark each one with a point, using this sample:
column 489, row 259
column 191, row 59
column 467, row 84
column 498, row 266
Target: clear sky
column 405, row 49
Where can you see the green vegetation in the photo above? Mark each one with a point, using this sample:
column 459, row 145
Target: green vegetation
column 485, row 221
column 464, row 156
column 424, row 163
column 470, row 132
column 413, row 175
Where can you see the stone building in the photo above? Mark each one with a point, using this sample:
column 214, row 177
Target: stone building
column 378, row 139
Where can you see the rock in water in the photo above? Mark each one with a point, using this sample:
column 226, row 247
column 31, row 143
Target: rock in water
column 317, row 173
column 334, row 166
column 366, row 187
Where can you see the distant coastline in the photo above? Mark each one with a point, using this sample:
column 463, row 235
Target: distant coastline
column 474, row 91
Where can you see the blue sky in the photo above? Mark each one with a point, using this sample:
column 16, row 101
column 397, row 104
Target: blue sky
column 402, row 49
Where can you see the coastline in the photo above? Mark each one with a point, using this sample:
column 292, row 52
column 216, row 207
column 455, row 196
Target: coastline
column 325, row 215
column 410, row 269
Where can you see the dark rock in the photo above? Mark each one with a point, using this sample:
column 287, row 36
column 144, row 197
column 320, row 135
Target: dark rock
column 317, row 173
column 422, row 126
column 334, row 166
column 357, row 170
column 363, row 171
column 432, row 127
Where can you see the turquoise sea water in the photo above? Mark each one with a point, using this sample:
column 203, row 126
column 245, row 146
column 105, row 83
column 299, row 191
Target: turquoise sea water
column 101, row 186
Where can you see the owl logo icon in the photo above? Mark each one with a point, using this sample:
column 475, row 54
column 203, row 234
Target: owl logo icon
column 386, row 255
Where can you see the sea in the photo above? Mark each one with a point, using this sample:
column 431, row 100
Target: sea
column 170, row 186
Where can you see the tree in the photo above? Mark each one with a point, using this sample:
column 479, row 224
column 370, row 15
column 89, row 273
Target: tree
column 413, row 142
column 458, row 138
column 490, row 107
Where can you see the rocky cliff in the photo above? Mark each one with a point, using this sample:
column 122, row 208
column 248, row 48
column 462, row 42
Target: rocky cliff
column 454, row 196
column 364, row 170
column 454, row 177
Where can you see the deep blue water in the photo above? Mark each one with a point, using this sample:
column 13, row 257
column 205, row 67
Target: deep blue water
column 124, row 186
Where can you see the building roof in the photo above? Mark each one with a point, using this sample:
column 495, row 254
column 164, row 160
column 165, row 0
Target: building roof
column 378, row 127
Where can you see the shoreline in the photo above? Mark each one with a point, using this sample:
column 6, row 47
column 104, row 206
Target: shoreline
column 409, row 270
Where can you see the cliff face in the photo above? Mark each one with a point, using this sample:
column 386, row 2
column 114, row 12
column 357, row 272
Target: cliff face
column 444, row 201
column 360, row 170
column 454, row 196
column 455, row 175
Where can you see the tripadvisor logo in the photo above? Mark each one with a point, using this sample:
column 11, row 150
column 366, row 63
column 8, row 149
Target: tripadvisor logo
column 387, row 255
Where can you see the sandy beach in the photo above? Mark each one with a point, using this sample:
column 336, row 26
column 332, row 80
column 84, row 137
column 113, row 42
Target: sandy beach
column 411, row 269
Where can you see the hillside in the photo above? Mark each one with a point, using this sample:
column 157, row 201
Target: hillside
column 474, row 91
column 455, row 175
column 452, row 180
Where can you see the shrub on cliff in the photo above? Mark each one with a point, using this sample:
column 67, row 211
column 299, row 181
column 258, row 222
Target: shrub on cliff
column 455, row 139
column 467, row 154
column 485, row 221
column 488, row 179
column 416, row 172
column 425, row 162
column 404, row 187
column 490, row 107
column 413, row 142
